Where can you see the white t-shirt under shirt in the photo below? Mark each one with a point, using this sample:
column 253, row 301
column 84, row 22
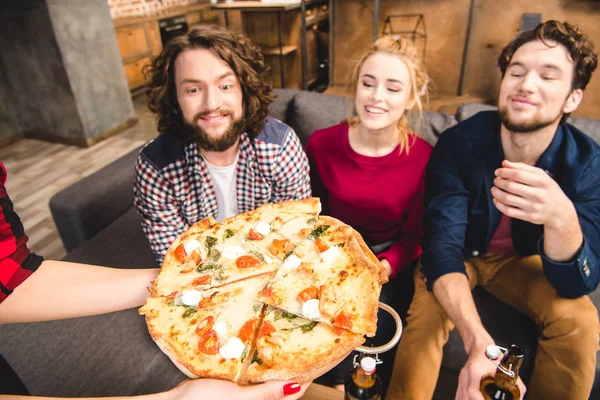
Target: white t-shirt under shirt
column 223, row 179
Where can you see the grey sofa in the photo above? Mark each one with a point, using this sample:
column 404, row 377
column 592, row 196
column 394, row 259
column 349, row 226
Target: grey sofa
column 113, row 354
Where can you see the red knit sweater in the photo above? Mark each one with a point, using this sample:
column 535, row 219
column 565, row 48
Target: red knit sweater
column 380, row 197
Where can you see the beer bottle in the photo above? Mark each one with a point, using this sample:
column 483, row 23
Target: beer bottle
column 363, row 383
column 503, row 386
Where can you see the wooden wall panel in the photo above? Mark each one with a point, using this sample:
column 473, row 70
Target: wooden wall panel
column 446, row 23
column 494, row 24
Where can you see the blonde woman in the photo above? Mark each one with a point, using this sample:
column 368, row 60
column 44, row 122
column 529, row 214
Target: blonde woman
column 369, row 171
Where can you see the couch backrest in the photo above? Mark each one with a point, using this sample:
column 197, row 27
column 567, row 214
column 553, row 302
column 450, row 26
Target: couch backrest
column 306, row 112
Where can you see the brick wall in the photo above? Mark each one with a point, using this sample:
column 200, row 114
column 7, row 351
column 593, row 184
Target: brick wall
column 137, row 8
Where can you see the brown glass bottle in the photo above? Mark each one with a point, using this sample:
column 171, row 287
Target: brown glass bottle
column 363, row 383
column 504, row 386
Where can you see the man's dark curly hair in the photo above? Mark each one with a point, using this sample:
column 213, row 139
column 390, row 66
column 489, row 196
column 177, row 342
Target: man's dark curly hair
column 244, row 58
column 579, row 46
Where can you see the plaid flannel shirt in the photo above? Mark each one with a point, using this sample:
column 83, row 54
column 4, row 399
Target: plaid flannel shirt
column 17, row 263
column 173, row 189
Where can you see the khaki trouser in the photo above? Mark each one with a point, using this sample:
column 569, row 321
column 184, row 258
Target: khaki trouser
column 566, row 356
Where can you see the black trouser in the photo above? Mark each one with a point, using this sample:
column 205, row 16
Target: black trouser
column 398, row 294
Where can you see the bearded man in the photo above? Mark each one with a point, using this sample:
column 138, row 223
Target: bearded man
column 513, row 205
column 218, row 153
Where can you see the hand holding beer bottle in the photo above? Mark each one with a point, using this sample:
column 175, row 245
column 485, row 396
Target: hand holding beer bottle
column 503, row 385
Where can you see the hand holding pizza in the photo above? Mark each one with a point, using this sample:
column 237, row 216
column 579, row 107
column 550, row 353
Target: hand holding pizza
column 274, row 294
column 528, row 193
column 214, row 388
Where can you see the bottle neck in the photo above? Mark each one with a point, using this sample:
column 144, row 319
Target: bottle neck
column 362, row 379
column 507, row 372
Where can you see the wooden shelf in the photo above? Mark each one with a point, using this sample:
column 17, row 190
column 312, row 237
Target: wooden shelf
column 170, row 12
column 274, row 51
column 316, row 20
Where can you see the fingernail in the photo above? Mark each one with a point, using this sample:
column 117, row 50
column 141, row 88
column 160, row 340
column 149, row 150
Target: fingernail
column 291, row 388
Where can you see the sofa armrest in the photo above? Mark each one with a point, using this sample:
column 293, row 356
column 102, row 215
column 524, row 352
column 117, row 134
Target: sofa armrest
column 86, row 207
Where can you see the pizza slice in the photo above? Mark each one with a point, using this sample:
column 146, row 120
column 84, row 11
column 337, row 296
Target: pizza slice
column 207, row 333
column 330, row 277
column 210, row 254
column 292, row 347
column 274, row 228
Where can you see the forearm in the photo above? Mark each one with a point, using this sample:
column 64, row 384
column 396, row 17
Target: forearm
column 453, row 293
column 60, row 290
column 157, row 396
column 563, row 236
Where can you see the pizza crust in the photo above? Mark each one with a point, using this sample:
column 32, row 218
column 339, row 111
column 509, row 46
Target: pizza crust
column 302, row 371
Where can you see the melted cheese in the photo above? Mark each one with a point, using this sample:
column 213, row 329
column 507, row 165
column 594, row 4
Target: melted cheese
column 310, row 309
column 291, row 263
column 191, row 245
column 233, row 348
column 190, row 297
column 263, row 228
column 220, row 327
column 330, row 254
column 232, row 252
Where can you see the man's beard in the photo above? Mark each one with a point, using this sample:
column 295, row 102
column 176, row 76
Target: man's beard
column 196, row 134
column 532, row 125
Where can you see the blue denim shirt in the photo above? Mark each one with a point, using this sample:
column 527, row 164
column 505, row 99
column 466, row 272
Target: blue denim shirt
column 460, row 217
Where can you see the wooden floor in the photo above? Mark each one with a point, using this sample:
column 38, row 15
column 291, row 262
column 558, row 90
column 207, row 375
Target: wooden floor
column 37, row 170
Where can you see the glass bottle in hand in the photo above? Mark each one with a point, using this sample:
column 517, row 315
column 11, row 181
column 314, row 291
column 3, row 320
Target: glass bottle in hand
column 363, row 383
column 503, row 386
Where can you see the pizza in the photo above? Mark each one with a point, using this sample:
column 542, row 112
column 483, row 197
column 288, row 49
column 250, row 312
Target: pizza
column 210, row 254
column 275, row 293
column 327, row 278
column 204, row 332
column 275, row 228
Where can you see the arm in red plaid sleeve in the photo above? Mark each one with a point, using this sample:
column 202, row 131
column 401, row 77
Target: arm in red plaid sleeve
column 17, row 263
column 162, row 220
column 292, row 173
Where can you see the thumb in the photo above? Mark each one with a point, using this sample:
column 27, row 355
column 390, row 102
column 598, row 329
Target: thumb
column 274, row 390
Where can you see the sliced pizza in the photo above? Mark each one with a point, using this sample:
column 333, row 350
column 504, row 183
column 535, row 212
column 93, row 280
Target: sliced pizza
column 275, row 228
column 207, row 333
column 210, row 254
column 292, row 347
column 330, row 278
column 274, row 293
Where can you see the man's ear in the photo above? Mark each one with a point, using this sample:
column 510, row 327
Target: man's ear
column 573, row 101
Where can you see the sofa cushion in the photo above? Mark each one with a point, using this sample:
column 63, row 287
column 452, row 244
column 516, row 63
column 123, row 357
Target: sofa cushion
column 467, row 110
column 122, row 244
column 83, row 209
column 105, row 355
column 280, row 108
column 312, row 111
column 432, row 125
column 589, row 126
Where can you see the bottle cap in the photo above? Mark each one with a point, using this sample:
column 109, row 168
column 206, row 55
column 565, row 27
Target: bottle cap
column 493, row 352
column 368, row 365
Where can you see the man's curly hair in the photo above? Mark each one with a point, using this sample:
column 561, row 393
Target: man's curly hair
column 244, row 58
column 579, row 46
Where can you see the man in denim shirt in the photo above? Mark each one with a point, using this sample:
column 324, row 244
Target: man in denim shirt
column 513, row 204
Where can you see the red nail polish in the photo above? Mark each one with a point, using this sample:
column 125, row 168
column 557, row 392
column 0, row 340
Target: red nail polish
column 291, row 388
